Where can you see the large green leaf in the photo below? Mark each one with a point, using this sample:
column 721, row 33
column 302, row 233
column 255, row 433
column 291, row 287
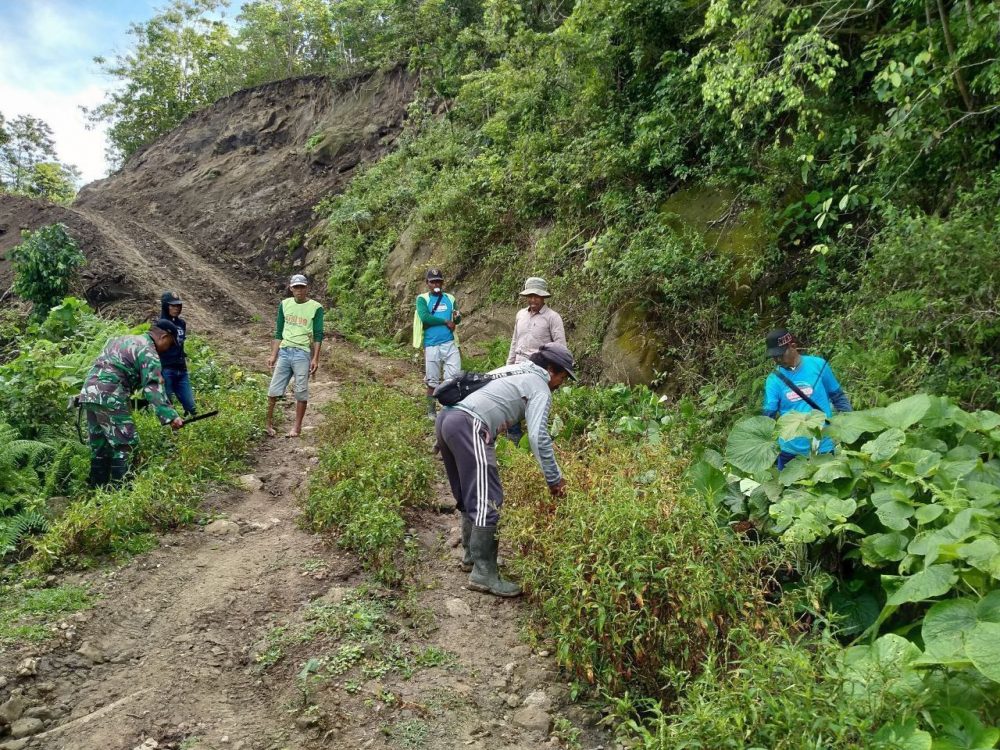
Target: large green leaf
column 707, row 480
column 830, row 468
column 903, row 735
column 928, row 513
column 880, row 548
column 983, row 647
column 795, row 470
column 751, row 446
column 885, row 445
column 988, row 608
column 983, row 554
column 895, row 515
column 961, row 729
column 847, row 427
column 839, row 509
column 944, row 629
column 883, row 667
column 909, row 411
column 931, row 582
column 793, row 424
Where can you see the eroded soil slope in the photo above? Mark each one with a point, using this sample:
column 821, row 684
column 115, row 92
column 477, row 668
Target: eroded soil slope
column 237, row 180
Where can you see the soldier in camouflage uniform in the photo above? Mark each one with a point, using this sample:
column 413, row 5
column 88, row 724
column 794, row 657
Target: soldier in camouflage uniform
column 127, row 364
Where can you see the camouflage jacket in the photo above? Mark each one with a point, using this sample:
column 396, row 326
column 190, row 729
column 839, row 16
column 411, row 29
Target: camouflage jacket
column 127, row 364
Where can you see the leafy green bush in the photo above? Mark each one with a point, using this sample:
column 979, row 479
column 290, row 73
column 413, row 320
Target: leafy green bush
column 44, row 265
column 374, row 463
column 53, row 361
column 913, row 492
column 906, row 514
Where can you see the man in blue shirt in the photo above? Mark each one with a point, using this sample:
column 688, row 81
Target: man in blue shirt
column 799, row 383
column 434, row 322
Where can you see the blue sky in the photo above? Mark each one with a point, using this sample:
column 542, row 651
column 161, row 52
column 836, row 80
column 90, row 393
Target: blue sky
column 47, row 70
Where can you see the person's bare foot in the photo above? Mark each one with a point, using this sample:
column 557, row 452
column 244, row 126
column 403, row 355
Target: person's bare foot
column 292, row 434
column 269, row 431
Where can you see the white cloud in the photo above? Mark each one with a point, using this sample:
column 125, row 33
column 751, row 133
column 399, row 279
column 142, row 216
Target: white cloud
column 47, row 69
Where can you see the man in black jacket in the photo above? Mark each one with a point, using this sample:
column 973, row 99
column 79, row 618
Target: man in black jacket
column 174, row 361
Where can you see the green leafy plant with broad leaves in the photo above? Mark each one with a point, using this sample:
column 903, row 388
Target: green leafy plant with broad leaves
column 909, row 507
column 44, row 264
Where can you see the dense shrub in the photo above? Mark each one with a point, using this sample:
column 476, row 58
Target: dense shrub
column 44, row 265
column 636, row 580
column 374, row 463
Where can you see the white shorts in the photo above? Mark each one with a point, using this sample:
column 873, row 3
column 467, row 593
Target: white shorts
column 446, row 356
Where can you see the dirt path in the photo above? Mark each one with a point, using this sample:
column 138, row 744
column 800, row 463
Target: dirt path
column 207, row 641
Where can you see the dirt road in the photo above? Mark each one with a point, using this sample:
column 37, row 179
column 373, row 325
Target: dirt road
column 216, row 639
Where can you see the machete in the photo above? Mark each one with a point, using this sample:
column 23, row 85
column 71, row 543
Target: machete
column 206, row 415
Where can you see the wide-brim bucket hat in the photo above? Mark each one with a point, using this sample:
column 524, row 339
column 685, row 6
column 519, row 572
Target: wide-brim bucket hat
column 536, row 285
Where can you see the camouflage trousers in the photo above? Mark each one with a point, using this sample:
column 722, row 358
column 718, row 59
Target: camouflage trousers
column 110, row 432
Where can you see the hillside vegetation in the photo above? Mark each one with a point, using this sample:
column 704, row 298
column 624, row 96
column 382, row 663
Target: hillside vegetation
column 685, row 173
column 688, row 175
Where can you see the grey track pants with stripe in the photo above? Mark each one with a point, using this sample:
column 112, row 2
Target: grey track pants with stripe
column 470, row 459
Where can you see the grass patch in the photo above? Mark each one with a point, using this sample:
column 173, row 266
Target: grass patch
column 374, row 463
column 355, row 642
column 27, row 614
column 174, row 469
column 408, row 735
column 635, row 578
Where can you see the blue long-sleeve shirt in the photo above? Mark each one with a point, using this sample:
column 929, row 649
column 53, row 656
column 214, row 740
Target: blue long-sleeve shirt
column 814, row 378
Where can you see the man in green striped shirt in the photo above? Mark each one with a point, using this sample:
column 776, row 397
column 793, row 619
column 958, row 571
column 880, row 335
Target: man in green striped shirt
column 295, row 350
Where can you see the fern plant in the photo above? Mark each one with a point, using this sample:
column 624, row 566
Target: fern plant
column 23, row 482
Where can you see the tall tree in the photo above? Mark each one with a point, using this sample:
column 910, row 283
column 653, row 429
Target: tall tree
column 181, row 62
column 25, row 142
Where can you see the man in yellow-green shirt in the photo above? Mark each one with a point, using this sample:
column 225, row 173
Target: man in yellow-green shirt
column 295, row 350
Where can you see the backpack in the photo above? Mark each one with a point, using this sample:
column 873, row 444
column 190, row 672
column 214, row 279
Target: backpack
column 453, row 390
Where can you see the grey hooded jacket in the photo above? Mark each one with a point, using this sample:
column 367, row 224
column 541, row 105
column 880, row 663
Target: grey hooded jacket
column 523, row 394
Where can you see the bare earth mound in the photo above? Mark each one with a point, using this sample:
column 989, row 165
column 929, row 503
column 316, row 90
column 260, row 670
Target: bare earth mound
column 234, row 184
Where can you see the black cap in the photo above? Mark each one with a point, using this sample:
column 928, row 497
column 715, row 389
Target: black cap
column 166, row 326
column 434, row 274
column 560, row 356
column 171, row 298
column 778, row 341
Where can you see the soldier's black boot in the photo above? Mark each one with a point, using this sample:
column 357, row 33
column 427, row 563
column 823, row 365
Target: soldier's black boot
column 119, row 468
column 100, row 471
column 484, row 576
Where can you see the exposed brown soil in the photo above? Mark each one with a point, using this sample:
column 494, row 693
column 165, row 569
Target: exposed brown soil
column 238, row 180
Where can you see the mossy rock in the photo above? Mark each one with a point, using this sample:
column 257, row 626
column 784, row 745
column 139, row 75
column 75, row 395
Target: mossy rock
column 630, row 352
column 730, row 226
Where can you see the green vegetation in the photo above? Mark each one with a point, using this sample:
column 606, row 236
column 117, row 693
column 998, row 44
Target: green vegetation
column 710, row 169
column 27, row 611
column 374, row 463
column 355, row 635
column 29, row 164
column 46, row 513
column 44, row 265
column 655, row 601
column 905, row 517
